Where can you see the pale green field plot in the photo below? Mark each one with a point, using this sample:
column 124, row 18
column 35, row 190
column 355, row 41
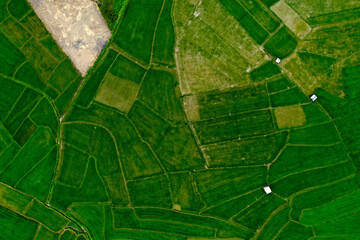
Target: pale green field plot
column 231, row 53
column 118, row 93
column 292, row 116
column 291, row 19
column 307, row 9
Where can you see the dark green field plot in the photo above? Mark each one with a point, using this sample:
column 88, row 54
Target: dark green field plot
column 49, row 43
column 292, row 96
column 261, row 14
column 164, row 42
column 136, row 30
column 157, row 192
column 245, row 152
column 159, row 90
column 218, row 104
column 247, row 21
column 234, row 126
column 295, row 159
column 281, row 44
column 27, row 74
column 63, row 75
column 312, row 178
column 280, row 84
column 18, row 8
column 265, row 71
column 7, row 100
column 10, row 57
column 214, row 187
column 41, row 59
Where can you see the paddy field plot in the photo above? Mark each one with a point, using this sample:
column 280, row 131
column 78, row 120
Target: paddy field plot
column 181, row 122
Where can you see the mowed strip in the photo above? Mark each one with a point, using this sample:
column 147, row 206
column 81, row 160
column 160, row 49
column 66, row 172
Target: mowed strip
column 291, row 19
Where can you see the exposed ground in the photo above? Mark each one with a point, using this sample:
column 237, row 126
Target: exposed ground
column 77, row 26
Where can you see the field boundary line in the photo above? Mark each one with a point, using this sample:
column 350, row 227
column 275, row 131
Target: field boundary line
column 311, row 169
column 13, row 106
column 154, row 35
column 273, row 214
column 198, row 215
column 245, row 209
column 117, row 150
column 28, row 116
column 34, row 166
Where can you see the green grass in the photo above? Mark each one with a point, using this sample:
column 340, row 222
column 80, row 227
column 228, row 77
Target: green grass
column 24, row 132
column 10, row 58
column 156, row 189
column 92, row 84
column 34, row 26
column 44, row 115
column 281, row 44
column 49, row 43
column 296, row 159
column 48, row 217
column 276, row 223
column 265, row 71
column 184, row 193
column 234, row 126
column 127, row 69
column 37, row 182
column 222, row 184
column 257, row 213
column 136, row 29
column 16, row 226
column 6, row 99
column 63, row 75
column 279, row 85
column 92, row 190
column 178, row 150
column 217, row 104
column 288, row 97
column 229, row 209
column 27, row 74
column 21, row 110
column 331, row 211
column 73, row 159
column 252, row 27
column 164, row 42
column 246, row 152
column 18, row 8
column 14, row 31
column 323, row 134
column 297, row 231
column 342, row 226
column 41, row 59
column 36, row 148
column 261, row 14
column 312, row 178
column 64, row 99
column 159, row 90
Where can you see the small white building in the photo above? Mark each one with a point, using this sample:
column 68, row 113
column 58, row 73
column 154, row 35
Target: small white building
column 313, row 97
column 277, row 60
column 267, row 189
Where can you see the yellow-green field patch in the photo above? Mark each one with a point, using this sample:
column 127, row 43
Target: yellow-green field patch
column 191, row 108
column 213, row 51
column 118, row 93
column 291, row 116
column 291, row 19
